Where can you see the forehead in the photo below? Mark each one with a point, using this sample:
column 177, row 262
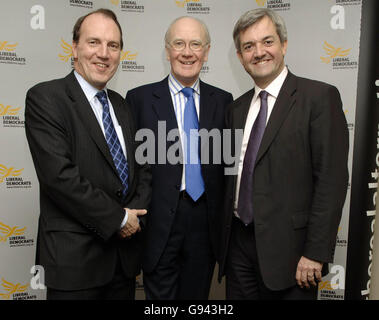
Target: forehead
column 187, row 28
column 261, row 29
column 98, row 24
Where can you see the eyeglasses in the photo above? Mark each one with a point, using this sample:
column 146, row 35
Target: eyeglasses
column 194, row 45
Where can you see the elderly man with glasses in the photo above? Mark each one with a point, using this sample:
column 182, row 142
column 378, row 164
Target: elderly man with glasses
column 183, row 226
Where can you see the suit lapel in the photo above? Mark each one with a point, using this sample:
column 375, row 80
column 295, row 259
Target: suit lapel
column 87, row 116
column 207, row 106
column 283, row 105
column 241, row 109
column 162, row 105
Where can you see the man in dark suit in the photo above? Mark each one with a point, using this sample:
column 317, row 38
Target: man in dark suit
column 184, row 216
column 284, row 203
column 92, row 191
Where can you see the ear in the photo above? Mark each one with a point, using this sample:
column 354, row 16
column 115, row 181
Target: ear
column 75, row 50
column 239, row 55
column 167, row 54
column 206, row 53
column 284, row 47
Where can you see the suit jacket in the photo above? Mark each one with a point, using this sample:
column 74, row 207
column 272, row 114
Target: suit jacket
column 81, row 205
column 153, row 103
column 300, row 178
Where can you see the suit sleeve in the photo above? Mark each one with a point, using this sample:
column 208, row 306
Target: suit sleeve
column 142, row 197
column 329, row 142
column 73, row 195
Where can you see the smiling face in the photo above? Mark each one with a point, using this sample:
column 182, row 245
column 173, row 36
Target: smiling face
column 97, row 53
column 186, row 63
column 261, row 52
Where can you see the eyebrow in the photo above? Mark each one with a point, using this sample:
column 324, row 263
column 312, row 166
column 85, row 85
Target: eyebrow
column 265, row 38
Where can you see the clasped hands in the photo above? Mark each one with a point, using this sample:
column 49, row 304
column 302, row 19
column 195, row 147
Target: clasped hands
column 132, row 224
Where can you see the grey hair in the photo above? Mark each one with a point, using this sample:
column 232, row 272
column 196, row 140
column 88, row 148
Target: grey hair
column 203, row 25
column 253, row 16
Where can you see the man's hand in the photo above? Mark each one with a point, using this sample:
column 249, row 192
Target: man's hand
column 132, row 225
column 308, row 272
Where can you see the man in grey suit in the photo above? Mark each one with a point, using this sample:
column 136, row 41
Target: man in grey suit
column 284, row 205
column 92, row 191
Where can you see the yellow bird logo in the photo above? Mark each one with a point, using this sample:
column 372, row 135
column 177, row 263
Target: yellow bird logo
column 4, row 46
column 7, row 231
column 6, row 172
column 325, row 285
column 126, row 55
column 115, row 2
column 67, row 49
column 261, row 2
column 181, row 3
column 11, row 288
column 8, row 110
column 333, row 52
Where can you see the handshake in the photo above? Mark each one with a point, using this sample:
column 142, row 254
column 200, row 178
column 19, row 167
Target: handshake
column 132, row 225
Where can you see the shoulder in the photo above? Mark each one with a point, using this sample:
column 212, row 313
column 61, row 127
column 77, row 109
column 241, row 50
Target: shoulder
column 215, row 90
column 48, row 87
column 146, row 88
column 314, row 87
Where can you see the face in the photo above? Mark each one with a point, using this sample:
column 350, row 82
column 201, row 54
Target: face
column 186, row 63
column 261, row 52
column 97, row 53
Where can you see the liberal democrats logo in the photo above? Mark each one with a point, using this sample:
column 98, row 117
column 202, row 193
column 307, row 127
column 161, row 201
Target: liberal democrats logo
column 338, row 57
column 260, row 3
column 8, row 53
column 15, row 235
column 81, row 3
column 129, row 63
column 16, row 291
column 12, row 178
column 193, row 6
column 10, row 116
column 129, row 5
column 11, row 289
column 7, row 231
column 66, row 52
column 8, row 172
column 278, row 5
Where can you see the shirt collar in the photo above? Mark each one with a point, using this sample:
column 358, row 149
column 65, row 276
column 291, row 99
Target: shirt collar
column 88, row 89
column 274, row 87
column 175, row 86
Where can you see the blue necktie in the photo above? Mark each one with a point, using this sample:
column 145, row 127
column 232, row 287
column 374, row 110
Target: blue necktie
column 245, row 199
column 194, row 179
column 113, row 142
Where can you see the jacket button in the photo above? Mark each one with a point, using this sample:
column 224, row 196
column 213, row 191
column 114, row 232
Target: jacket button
column 119, row 193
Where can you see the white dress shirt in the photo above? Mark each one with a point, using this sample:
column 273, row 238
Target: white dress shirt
column 273, row 91
column 179, row 102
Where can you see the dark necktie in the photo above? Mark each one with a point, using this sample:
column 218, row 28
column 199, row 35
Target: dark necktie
column 113, row 143
column 245, row 199
column 194, row 179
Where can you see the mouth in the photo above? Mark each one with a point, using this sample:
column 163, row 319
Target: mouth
column 262, row 62
column 101, row 65
column 187, row 63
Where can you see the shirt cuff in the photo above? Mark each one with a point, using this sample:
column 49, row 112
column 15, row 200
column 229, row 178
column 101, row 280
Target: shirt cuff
column 125, row 220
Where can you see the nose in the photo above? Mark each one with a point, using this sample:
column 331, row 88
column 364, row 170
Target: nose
column 103, row 51
column 187, row 50
column 259, row 50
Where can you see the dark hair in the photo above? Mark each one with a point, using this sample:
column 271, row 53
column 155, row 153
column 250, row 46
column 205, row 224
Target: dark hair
column 106, row 12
